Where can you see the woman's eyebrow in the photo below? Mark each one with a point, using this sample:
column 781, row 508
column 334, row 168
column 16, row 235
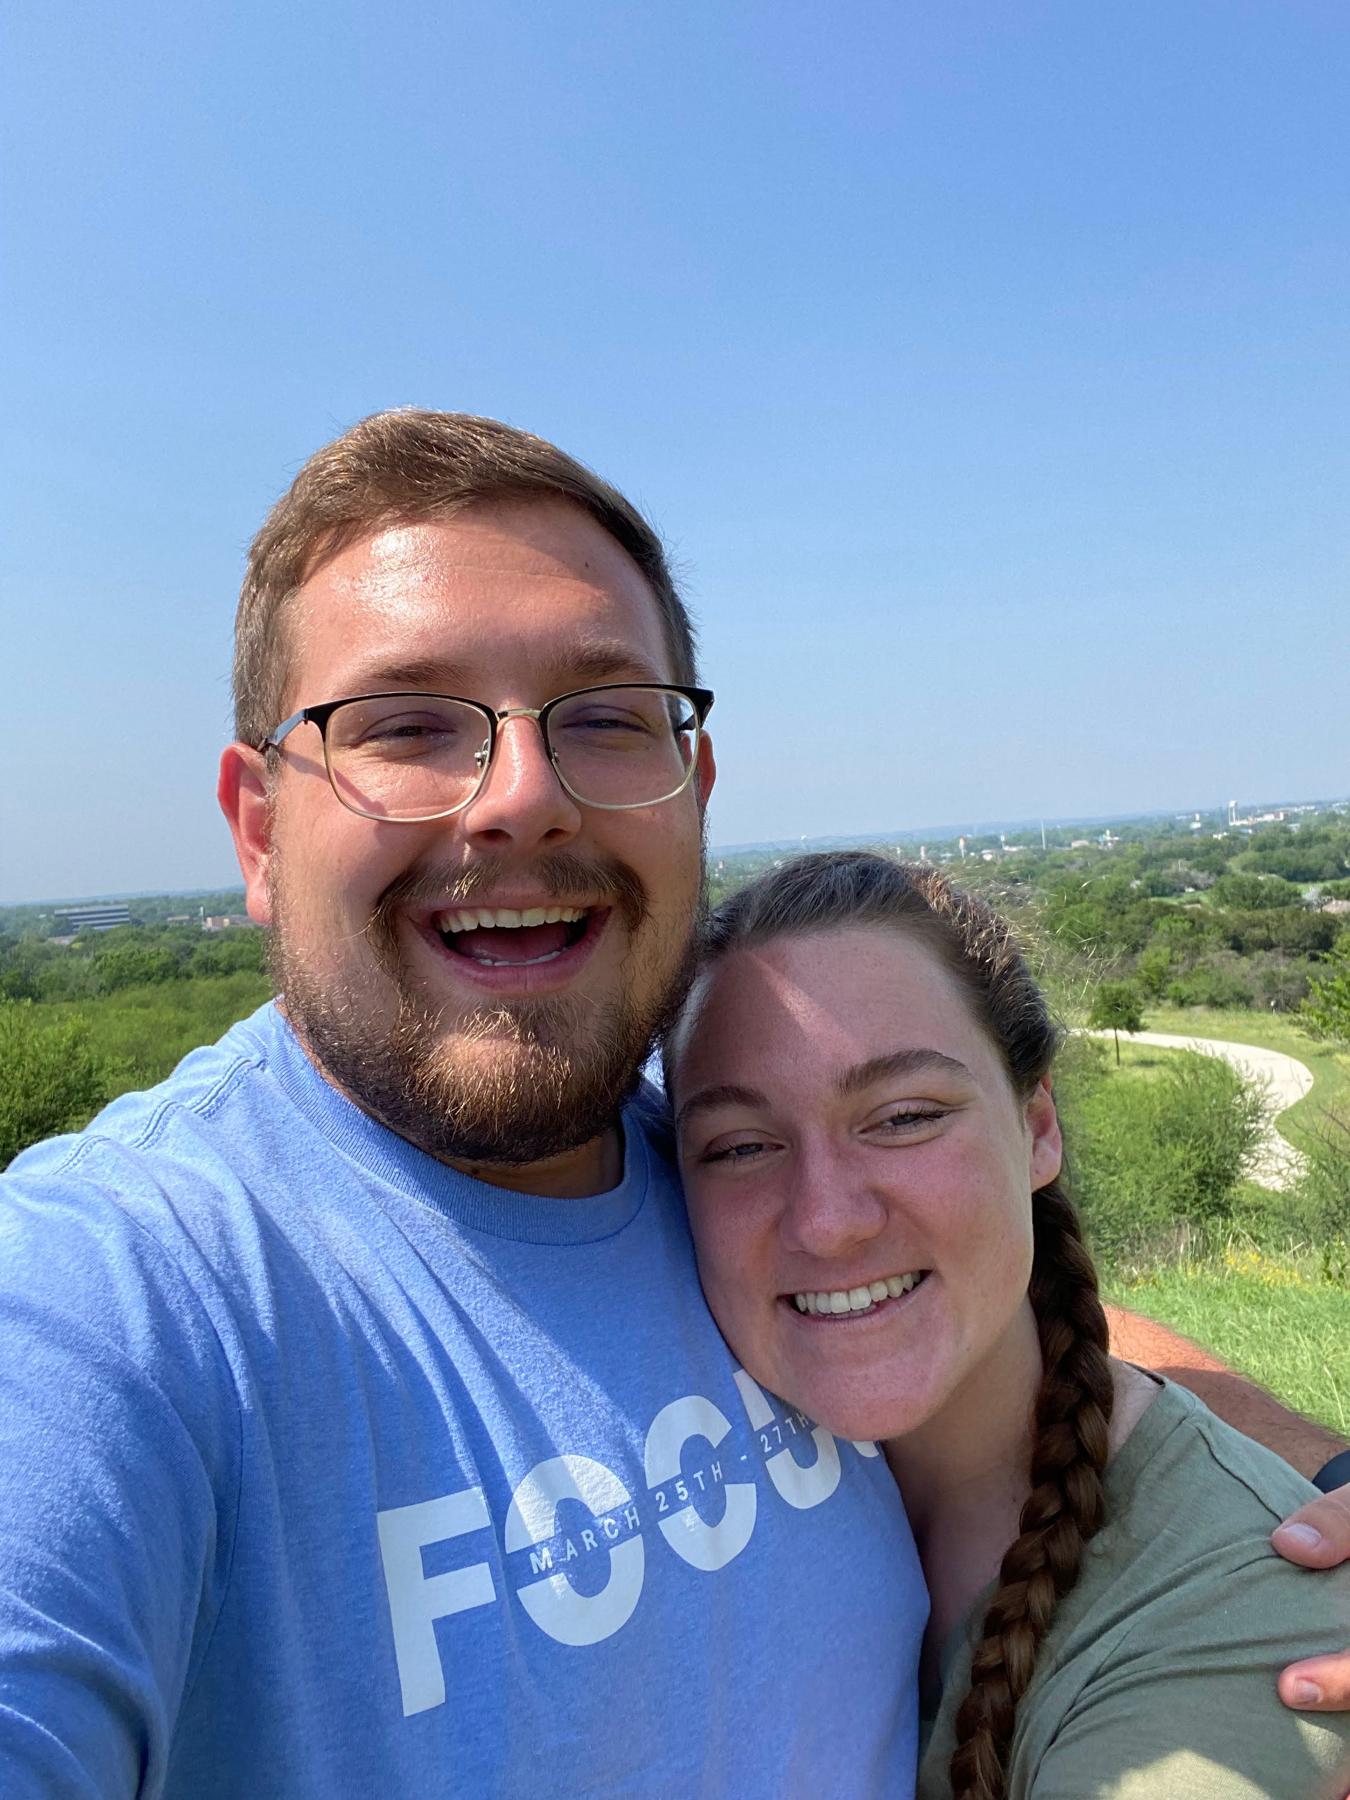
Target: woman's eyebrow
column 898, row 1063
column 726, row 1093
column 852, row 1081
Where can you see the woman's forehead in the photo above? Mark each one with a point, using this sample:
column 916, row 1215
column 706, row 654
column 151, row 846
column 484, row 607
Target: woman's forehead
column 823, row 998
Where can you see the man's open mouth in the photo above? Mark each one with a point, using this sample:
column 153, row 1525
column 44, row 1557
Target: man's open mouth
column 504, row 936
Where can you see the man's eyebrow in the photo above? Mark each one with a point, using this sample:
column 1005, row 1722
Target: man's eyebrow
column 726, row 1093
column 416, row 672
column 587, row 665
column 898, row 1064
column 600, row 662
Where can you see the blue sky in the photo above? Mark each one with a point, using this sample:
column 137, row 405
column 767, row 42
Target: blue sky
column 985, row 365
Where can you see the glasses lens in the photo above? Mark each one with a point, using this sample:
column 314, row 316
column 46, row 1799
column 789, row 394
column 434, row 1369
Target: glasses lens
column 624, row 746
column 406, row 756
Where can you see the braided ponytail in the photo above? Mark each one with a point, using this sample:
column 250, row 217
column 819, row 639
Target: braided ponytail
column 1065, row 1505
column 1073, row 1406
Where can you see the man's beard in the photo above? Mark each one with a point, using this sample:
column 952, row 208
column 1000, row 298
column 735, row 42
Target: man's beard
column 513, row 1083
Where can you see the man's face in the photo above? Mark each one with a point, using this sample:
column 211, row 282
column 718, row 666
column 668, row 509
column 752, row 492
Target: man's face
column 501, row 1045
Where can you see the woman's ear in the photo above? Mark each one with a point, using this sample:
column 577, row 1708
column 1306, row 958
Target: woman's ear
column 1047, row 1146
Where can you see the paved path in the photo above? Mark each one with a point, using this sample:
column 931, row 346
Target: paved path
column 1284, row 1079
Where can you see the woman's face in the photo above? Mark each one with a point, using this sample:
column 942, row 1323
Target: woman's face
column 859, row 1174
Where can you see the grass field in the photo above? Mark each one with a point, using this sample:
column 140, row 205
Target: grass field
column 1272, row 1316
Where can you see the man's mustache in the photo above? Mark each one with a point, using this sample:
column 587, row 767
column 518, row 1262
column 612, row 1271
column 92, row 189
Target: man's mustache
column 567, row 879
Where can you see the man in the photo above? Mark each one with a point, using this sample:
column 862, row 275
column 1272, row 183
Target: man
column 364, row 1432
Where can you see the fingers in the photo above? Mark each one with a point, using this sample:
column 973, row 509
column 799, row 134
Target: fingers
column 1322, row 1684
column 1317, row 1536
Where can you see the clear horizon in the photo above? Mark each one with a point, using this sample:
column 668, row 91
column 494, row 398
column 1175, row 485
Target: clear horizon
column 940, row 833
column 986, row 372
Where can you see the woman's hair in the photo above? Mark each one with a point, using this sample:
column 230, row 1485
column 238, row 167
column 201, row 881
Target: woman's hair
column 1073, row 1406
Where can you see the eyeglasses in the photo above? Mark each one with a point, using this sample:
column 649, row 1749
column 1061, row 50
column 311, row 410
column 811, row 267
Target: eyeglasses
column 421, row 756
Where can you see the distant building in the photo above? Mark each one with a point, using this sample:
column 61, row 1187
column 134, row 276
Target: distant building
column 75, row 919
column 227, row 921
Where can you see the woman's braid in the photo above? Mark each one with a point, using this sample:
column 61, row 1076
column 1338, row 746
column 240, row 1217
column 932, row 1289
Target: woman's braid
column 1064, row 1509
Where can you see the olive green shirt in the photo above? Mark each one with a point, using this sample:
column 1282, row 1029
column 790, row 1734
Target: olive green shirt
column 1156, row 1680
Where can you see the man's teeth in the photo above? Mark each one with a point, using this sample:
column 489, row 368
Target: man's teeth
column 505, row 918
column 859, row 1299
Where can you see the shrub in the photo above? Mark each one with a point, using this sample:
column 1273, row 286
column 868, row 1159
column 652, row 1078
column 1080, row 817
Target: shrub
column 1211, row 983
column 1326, row 1011
column 1321, row 1202
column 1154, row 1156
column 52, row 1078
column 1282, row 985
column 148, row 1030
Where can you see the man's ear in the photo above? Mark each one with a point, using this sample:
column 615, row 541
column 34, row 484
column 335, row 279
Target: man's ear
column 242, row 792
column 706, row 772
column 1047, row 1146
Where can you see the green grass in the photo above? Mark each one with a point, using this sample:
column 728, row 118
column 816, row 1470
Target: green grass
column 1272, row 1315
column 146, row 1031
column 1330, row 1068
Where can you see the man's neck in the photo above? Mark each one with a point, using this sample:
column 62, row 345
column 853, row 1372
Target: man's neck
column 594, row 1168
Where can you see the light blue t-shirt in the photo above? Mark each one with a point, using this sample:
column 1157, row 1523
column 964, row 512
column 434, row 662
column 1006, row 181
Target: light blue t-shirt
column 326, row 1471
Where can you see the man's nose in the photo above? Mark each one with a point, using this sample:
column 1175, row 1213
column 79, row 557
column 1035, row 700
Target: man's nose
column 833, row 1207
column 521, row 803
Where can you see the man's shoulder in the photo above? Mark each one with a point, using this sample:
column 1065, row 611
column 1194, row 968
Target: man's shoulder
column 162, row 1168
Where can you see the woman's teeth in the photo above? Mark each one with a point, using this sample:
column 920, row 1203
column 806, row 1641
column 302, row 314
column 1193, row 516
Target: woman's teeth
column 859, row 1299
column 505, row 918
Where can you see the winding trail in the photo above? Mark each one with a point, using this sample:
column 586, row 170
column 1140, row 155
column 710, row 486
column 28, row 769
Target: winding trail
column 1283, row 1079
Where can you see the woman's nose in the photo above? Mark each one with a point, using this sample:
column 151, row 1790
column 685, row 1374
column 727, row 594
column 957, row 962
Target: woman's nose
column 832, row 1208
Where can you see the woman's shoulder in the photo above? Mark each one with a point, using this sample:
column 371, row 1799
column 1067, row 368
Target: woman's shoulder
column 1157, row 1676
column 1227, row 1479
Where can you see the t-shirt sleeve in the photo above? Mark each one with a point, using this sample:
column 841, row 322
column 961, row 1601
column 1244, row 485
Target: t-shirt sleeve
column 119, row 1434
column 1184, row 1707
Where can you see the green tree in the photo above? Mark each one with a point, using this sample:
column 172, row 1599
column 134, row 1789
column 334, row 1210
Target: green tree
column 1115, row 1008
column 1326, row 1011
column 1253, row 893
column 51, row 1077
column 134, row 964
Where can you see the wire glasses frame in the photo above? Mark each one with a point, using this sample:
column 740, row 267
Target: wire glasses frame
column 699, row 700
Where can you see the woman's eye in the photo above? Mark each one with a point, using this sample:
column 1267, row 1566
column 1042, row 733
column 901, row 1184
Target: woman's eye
column 745, row 1151
column 909, row 1118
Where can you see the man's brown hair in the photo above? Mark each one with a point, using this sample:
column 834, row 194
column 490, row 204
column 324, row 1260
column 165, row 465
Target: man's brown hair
column 395, row 467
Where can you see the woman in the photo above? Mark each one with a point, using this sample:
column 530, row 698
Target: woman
column 870, row 1148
